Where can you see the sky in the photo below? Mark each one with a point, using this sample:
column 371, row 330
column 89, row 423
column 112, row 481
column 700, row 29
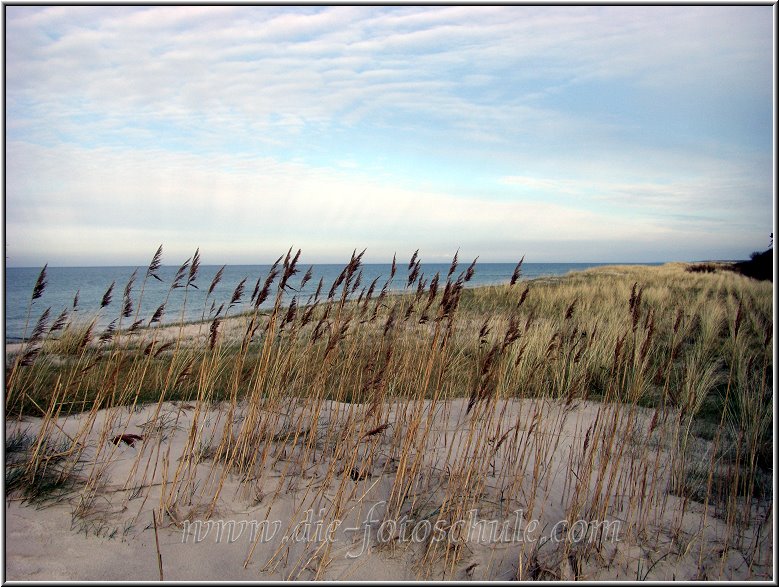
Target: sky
column 561, row 133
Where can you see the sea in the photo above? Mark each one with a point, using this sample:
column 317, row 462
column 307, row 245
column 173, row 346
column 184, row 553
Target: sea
column 87, row 286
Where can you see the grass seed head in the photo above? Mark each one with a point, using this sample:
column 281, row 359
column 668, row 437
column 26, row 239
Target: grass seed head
column 517, row 272
column 215, row 281
column 40, row 284
column 156, row 263
column 194, row 268
column 107, row 295
column 40, row 325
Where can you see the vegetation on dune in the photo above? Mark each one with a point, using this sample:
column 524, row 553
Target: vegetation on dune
column 760, row 265
column 691, row 348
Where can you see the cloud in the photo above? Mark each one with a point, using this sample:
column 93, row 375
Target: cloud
column 191, row 201
column 727, row 195
column 250, row 62
column 334, row 125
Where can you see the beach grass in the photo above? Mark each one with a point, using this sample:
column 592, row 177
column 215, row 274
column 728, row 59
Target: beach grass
column 415, row 390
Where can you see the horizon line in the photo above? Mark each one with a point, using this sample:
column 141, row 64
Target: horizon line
column 398, row 263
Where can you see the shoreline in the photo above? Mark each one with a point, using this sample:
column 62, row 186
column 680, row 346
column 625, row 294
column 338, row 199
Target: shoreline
column 15, row 344
column 398, row 288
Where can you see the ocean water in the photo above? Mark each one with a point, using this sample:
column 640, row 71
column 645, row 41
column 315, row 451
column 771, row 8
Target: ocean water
column 91, row 283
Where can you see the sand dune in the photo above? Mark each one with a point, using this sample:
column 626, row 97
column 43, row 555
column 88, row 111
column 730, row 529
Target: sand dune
column 291, row 520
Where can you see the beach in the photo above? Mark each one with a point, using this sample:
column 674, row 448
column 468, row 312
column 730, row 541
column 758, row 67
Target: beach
column 380, row 450
column 297, row 516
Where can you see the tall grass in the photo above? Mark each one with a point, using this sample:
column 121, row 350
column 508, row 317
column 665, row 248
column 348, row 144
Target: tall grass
column 417, row 391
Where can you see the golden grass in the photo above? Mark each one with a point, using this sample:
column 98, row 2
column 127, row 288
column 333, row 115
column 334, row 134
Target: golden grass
column 673, row 359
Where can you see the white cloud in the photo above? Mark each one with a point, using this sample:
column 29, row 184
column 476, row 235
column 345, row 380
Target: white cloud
column 703, row 196
column 320, row 64
column 216, row 120
column 189, row 201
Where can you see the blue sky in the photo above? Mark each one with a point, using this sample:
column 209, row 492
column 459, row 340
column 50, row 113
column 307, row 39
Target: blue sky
column 562, row 133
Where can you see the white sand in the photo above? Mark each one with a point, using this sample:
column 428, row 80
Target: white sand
column 114, row 539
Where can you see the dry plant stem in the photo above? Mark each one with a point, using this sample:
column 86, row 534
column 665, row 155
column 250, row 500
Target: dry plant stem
column 157, row 544
column 228, row 448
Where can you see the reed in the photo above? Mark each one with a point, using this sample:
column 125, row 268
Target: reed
column 618, row 382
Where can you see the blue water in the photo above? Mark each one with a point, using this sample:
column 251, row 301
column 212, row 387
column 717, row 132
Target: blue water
column 91, row 283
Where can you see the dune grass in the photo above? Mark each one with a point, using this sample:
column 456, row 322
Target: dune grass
column 679, row 364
